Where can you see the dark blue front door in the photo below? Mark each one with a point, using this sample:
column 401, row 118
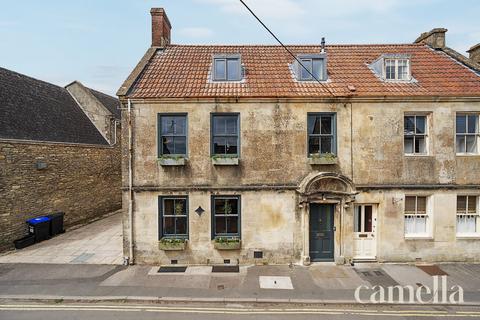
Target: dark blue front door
column 321, row 232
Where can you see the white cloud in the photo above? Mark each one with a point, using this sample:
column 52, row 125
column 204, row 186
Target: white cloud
column 196, row 32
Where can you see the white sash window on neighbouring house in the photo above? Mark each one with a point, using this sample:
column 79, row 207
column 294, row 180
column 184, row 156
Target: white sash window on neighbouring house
column 417, row 220
column 467, row 216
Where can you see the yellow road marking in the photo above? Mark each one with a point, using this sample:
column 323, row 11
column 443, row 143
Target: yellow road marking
column 146, row 306
column 238, row 311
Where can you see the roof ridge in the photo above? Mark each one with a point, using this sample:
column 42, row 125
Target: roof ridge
column 301, row 45
column 32, row 78
column 102, row 93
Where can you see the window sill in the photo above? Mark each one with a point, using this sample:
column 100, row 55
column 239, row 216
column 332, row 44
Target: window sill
column 467, row 155
column 225, row 161
column 418, row 155
column 418, row 237
column 472, row 236
column 322, row 160
column 172, row 161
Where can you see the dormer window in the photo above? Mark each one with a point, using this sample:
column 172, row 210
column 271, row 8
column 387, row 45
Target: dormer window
column 397, row 69
column 393, row 67
column 313, row 67
column 227, row 68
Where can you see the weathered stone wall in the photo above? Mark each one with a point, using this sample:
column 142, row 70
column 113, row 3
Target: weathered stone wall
column 274, row 155
column 268, row 223
column 84, row 181
column 274, row 137
column 442, row 245
column 101, row 117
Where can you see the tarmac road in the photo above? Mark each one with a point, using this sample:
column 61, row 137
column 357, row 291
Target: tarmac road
column 27, row 310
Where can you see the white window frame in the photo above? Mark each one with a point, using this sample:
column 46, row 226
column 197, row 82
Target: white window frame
column 475, row 234
column 477, row 134
column 428, row 215
column 397, row 79
column 414, row 135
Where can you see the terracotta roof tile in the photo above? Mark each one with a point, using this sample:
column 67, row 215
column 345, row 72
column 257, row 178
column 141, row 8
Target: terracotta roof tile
column 182, row 71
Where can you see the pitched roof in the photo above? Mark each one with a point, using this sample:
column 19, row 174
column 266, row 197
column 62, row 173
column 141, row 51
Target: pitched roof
column 111, row 103
column 32, row 109
column 182, row 71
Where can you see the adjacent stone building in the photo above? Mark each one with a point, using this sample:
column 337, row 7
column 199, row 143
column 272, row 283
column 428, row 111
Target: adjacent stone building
column 246, row 153
column 59, row 151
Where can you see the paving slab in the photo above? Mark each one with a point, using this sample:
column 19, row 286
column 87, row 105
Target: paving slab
column 407, row 275
column 335, row 277
column 465, row 275
column 99, row 242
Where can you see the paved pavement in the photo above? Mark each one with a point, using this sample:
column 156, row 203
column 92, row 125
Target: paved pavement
column 99, row 242
column 62, row 311
column 320, row 283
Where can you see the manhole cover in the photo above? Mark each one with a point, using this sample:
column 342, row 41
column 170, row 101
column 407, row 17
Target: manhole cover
column 275, row 282
column 178, row 269
column 225, row 269
column 433, row 270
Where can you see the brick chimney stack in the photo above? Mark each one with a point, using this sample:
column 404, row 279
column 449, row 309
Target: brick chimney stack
column 161, row 28
column 475, row 53
column 435, row 38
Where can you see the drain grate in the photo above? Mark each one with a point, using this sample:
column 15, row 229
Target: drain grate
column 178, row 269
column 225, row 269
column 433, row 270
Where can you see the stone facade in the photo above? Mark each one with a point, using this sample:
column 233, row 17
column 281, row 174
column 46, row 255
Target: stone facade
column 278, row 186
column 81, row 180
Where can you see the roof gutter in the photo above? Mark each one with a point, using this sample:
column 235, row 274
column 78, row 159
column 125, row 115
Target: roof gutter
column 344, row 99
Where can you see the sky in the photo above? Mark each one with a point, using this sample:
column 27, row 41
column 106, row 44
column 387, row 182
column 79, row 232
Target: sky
column 99, row 42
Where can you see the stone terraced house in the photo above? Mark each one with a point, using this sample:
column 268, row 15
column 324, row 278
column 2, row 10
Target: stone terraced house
column 59, row 151
column 247, row 154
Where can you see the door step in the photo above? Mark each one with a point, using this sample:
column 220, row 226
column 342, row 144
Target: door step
column 372, row 260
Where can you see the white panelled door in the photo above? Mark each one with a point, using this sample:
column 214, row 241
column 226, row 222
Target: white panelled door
column 364, row 235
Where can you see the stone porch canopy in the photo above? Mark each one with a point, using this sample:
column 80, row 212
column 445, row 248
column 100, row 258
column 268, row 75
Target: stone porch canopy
column 325, row 186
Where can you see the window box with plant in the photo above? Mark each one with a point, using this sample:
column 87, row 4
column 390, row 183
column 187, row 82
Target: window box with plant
column 322, row 138
column 172, row 244
column 173, row 223
column 226, row 222
column 227, row 243
column 225, row 139
column 172, row 160
column 225, row 160
column 172, row 139
column 322, row 159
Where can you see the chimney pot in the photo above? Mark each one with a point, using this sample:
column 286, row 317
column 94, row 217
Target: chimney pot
column 161, row 28
column 475, row 53
column 435, row 38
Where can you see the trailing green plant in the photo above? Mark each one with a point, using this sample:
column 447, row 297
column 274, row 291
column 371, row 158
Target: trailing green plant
column 227, row 240
column 224, row 156
column 172, row 157
column 167, row 240
column 327, row 155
